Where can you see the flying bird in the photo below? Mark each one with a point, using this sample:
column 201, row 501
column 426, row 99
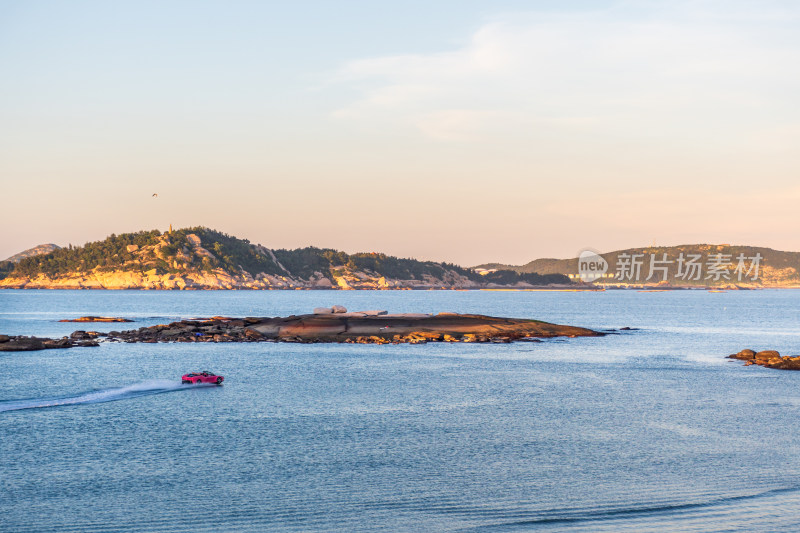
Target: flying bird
column 155, row 195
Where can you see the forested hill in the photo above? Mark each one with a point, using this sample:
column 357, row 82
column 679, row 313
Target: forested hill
column 204, row 258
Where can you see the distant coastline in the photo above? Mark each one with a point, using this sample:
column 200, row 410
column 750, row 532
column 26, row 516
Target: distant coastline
column 204, row 259
column 688, row 266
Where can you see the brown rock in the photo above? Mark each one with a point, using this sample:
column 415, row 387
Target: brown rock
column 767, row 355
column 768, row 359
column 4, row 338
column 252, row 334
column 427, row 335
column 372, row 339
column 787, row 363
column 97, row 319
column 743, row 355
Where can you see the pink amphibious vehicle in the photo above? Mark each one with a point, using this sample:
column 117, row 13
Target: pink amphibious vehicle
column 196, row 378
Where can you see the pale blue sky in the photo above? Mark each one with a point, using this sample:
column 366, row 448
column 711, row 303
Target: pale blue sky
column 460, row 131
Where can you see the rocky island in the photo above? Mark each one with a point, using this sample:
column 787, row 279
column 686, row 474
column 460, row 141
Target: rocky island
column 324, row 325
column 97, row 319
column 200, row 258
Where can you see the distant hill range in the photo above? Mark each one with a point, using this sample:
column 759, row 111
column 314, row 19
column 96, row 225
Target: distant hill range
column 202, row 258
column 691, row 265
column 8, row 265
column 36, row 250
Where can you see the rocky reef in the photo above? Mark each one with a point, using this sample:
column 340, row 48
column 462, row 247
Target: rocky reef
column 768, row 359
column 21, row 343
column 324, row 325
column 97, row 319
column 365, row 327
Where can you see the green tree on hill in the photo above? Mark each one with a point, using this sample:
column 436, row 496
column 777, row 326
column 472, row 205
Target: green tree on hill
column 167, row 253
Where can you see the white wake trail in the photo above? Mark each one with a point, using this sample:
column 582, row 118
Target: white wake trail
column 154, row 386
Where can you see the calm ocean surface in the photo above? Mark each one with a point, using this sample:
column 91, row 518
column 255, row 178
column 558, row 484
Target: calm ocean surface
column 648, row 430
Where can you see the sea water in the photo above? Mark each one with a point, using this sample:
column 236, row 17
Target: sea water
column 649, row 429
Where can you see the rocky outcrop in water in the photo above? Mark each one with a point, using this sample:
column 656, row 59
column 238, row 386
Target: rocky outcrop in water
column 96, row 319
column 21, row 343
column 768, row 359
column 357, row 327
column 366, row 327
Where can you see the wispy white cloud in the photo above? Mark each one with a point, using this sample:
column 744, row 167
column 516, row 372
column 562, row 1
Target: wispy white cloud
column 686, row 70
